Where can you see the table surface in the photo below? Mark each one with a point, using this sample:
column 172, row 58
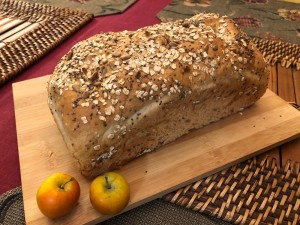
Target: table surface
column 284, row 82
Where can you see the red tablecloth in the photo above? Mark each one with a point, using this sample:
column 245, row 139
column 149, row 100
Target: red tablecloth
column 142, row 13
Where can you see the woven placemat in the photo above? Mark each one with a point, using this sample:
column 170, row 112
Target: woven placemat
column 247, row 193
column 29, row 31
column 11, row 207
column 287, row 54
column 160, row 212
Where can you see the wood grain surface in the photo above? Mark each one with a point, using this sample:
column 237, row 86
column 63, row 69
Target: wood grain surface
column 267, row 124
column 285, row 82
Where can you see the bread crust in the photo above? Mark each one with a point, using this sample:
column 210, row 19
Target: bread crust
column 117, row 96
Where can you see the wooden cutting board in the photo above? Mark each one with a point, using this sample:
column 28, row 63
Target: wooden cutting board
column 268, row 123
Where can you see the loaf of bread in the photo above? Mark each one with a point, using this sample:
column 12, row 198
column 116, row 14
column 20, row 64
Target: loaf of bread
column 117, row 96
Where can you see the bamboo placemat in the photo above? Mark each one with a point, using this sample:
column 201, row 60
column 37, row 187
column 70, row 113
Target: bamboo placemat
column 28, row 31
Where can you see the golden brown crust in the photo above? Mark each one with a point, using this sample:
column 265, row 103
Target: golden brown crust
column 116, row 96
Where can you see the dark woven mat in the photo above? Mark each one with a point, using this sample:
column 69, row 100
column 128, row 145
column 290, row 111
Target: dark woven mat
column 154, row 212
column 11, row 207
column 163, row 213
column 33, row 30
column 273, row 25
column 248, row 193
column 96, row 7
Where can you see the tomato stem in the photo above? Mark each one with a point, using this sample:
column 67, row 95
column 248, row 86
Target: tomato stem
column 62, row 186
column 108, row 186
